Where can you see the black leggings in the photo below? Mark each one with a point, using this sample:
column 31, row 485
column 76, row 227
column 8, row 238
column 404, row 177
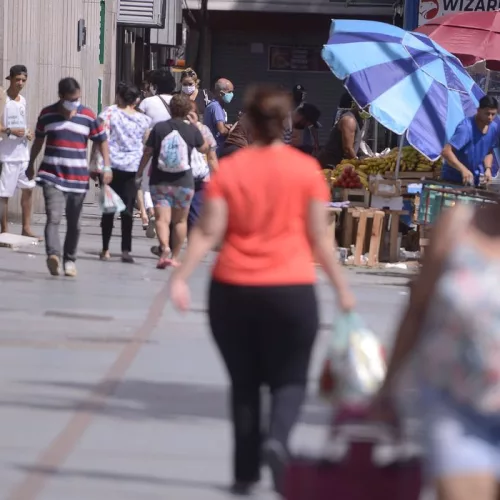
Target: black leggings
column 123, row 184
column 265, row 336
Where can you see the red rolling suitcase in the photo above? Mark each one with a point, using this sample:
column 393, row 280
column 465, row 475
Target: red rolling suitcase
column 362, row 462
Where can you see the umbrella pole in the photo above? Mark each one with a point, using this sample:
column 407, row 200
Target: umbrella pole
column 487, row 82
column 400, row 154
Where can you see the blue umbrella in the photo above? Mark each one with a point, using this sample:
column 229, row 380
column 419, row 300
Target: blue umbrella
column 411, row 85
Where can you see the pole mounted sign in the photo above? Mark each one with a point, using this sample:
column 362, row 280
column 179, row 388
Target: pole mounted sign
column 430, row 9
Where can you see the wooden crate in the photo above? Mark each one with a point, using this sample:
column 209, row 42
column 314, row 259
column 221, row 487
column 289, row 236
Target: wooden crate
column 355, row 197
column 375, row 238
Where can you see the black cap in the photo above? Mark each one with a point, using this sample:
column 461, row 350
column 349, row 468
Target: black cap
column 18, row 69
column 311, row 113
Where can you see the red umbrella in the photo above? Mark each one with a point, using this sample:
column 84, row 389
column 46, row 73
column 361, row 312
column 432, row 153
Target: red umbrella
column 471, row 36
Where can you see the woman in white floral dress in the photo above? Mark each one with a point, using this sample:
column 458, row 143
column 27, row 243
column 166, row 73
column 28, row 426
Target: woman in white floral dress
column 127, row 130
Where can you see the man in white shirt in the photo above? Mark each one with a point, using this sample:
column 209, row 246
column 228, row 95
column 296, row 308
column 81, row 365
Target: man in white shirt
column 157, row 107
column 14, row 150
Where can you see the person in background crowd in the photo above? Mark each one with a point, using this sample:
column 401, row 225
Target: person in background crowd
column 127, row 131
column 190, row 85
column 14, row 150
column 308, row 140
column 262, row 304
column 202, row 165
column 345, row 137
column 238, row 137
column 469, row 154
column 215, row 117
column 157, row 107
column 172, row 192
column 305, row 117
column 66, row 128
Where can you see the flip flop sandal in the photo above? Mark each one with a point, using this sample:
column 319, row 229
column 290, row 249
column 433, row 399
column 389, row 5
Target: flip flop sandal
column 163, row 263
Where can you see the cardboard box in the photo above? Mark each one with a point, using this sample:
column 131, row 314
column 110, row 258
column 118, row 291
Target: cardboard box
column 391, row 203
column 385, row 187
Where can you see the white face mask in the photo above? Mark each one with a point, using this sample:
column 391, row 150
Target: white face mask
column 71, row 105
column 188, row 89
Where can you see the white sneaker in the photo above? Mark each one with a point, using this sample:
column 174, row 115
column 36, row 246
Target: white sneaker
column 70, row 269
column 151, row 230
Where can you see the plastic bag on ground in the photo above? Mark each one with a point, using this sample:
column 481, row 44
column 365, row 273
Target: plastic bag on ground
column 110, row 202
column 355, row 366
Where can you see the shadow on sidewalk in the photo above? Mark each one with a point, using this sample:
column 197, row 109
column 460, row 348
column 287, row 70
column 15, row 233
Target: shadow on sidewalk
column 101, row 475
column 145, row 400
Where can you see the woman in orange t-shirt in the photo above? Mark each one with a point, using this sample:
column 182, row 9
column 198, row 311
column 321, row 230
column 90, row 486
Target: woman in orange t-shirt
column 267, row 203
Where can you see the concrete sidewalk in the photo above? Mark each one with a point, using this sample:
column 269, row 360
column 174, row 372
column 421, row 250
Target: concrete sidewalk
column 107, row 393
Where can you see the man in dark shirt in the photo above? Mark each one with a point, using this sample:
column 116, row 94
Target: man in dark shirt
column 345, row 136
column 172, row 192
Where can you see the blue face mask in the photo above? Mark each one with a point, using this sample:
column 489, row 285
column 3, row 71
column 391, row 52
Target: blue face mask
column 227, row 98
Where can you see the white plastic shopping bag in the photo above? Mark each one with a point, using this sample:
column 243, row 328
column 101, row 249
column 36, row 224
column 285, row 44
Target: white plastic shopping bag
column 355, row 366
column 110, row 202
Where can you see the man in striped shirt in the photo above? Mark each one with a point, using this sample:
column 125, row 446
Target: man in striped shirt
column 65, row 128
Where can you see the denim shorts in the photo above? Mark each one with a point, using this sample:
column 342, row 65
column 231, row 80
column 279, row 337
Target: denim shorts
column 165, row 195
column 458, row 440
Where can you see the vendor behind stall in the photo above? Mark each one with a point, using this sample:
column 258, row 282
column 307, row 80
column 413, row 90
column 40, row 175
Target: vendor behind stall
column 345, row 136
column 469, row 154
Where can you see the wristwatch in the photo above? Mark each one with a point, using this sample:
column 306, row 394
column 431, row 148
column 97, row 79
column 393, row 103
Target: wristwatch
column 8, row 131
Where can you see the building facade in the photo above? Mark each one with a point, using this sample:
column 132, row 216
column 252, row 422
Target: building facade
column 277, row 41
column 55, row 39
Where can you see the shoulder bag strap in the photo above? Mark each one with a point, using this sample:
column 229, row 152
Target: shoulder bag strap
column 166, row 105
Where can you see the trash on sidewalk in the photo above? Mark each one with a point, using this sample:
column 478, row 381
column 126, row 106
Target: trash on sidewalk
column 15, row 241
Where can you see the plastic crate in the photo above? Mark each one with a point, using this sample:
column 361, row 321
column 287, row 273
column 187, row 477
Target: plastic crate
column 437, row 197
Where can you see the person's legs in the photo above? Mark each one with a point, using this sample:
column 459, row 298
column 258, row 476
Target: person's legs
column 128, row 194
column 54, row 207
column 26, row 187
column 142, row 209
column 287, row 327
column 163, row 201
column 74, row 205
column 148, row 204
column 107, row 221
column 182, row 200
column 9, row 175
column 231, row 313
column 195, row 207
column 4, row 206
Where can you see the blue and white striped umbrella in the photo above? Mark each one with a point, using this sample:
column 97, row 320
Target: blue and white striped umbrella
column 410, row 83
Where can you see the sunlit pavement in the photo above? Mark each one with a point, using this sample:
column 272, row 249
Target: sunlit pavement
column 108, row 393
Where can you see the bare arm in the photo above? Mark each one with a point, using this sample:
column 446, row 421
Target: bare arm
column 35, row 151
column 451, row 158
column 222, row 128
column 213, row 161
column 422, row 291
column 205, row 148
column 146, row 156
column 204, row 236
column 347, row 127
column 317, row 230
column 104, row 150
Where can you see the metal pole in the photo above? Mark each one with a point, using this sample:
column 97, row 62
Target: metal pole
column 400, row 154
column 487, row 82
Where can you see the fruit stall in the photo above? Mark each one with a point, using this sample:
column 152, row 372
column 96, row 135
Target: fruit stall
column 379, row 206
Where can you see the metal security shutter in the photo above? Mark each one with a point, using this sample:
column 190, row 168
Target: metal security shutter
column 243, row 58
column 142, row 13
